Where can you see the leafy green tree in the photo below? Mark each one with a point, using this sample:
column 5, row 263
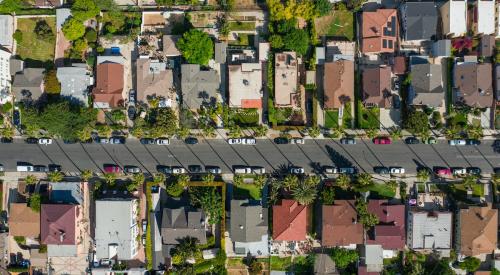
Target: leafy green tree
column 208, row 178
column 138, row 179
column 91, row 35
column 237, row 179
column 187, row 248
column 73, row 29
column 371, row 133
column 209, row 199
column 10, row 6
column 18, row 36
column 182, row 180
column 43, row 30
column 290, row 182
column 260, row 131
column 470, row 264
column 196, row 47
column 297, row 40
column 51, row 83
column 86, row 174
column 84, row 9
column 343, row 181
column 423, row 175
column 78, row 50
column 366, row 218
column 314, row 132
column 323, row 7
column 166, row 3
column 7, row 132
column 162, row 122
column 6, row 107
column 31, row 179
column 276, row 41
column 417, row 122
column 343, row 257
column 304, row 194
column 35, row 202
column 470, row 180
column 55, row 176
column 110, row 178
column 328, row 195
column 260, row 180
column 364, row 179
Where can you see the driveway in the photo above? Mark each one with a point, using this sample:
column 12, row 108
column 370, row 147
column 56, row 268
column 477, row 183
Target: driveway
column 389, row 117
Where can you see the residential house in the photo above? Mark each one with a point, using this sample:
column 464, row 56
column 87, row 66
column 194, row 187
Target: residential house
column 340, row 50
column 116, row 228
column 154, row 81
column 67, row 192
column 245, row 85
column 376, row 89
column 340, row 226
column 199, row 87
column 420, row 20
column 286, row 80
column 264, row 48
column 169, row 45
column 289, row 221
column 6, row 30
column 183, row 222
column 476, row 230
column 487, row 46
column 28, row 84
column 399, row 66
column 429, row 231
column 473, row 84
column 426, row 87
column 485, row 20
column 108, row 91
column 338, row 84
column 497, row 84
column 371, row 260
column 379, row 31
column 248, row 228
column 390, row 231
column 75, row 81
column 454, row 17
column 441, row 48
column 23, row 221
column 60, row 230
column 5, row 77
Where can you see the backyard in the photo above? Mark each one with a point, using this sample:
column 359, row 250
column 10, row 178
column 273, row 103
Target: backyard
column 33, row 50
column 338, row 23
column 368, row 118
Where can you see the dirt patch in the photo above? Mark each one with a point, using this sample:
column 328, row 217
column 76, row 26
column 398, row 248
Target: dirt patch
column 337, row 23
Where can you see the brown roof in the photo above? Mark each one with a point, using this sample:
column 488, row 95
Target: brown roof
column 109, row 84
column 478, row 230
column 377, row 87
column 151, row 83
column 390, row 232
column 23, row 221
column 340, row 224
column 169, row 45
column 338, row 83
column 487, row 45
column 399, row 66
column 474, row 83
column 379, row 31
column 58, row 224
column 289, row 221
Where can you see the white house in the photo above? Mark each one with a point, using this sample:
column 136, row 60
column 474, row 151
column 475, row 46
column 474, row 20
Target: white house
column 5, row 80
column 454, row 16
column 485, row 16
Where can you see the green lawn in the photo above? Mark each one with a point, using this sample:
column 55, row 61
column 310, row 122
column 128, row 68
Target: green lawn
column 368, row 118
column 243, row 39
column 337, row 23
column 347, row 116
column 246, row 117
column 459, row 119
column 421, row 188
column 332, row 118
column 477, row 190
column 241, row 26
column 246, row 191
column 280, row 264
column 381, row 191
column 34, row 51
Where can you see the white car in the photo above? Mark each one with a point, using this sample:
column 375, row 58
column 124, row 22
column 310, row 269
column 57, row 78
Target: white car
column 297, row 141
column 213, row 170
column 242, row 170
column 457, row 142
column 330, row 169
column 458, row 171
column 297, row 170
column 258, row 170
column 45, row 141
column 347, row 170
column 396, row 170
column 248, row 141
column 233, row 141
column 162, row 141
column 178, row 170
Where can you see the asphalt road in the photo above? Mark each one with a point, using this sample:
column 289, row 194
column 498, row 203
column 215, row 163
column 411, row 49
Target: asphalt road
column 364, row 155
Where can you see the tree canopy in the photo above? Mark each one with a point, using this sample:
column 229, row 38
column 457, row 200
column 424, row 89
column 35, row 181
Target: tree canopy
column 196, row 47
column 343, row 257
column 73, row 29
column 291, row 9
column 208, row 199
column 84, row 9
column 297, row 40
column 417, row 122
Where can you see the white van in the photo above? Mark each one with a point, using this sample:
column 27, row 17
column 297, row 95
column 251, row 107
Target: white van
column 243, row 170
column 25, row 168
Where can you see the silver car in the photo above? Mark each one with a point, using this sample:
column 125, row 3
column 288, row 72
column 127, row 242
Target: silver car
column 297, row 141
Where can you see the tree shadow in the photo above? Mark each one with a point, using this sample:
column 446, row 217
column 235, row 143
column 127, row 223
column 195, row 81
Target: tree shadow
column 338, row 159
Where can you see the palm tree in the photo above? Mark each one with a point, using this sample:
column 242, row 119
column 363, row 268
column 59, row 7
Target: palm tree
column 84, row 134
column 110, row 178
column 425, row 135
column 423, row 175
column 260, row 180
column 182, row 132
column 260, row 131
column 31, row 179
column 469, row 180
column 290, row 182
column 138, row 179
column 371, row 133
column 182, row 180
column 209, row 131
column 55, row 176
column 208, row 178
column 474, row 132
column 395, row 132
column 304, row 194
column 392, row 184
column 364, row 179
column 237, row 179
column 314, row 132
column 7, row 132
column 86, row 174
column 235, row 132
column 312, row 181
column 343, row 181
column 159, row 178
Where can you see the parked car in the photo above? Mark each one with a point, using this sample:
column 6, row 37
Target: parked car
column 473, row 142
column 102, row 140
column 112, row 168
column 458, row 171
column 396, row 102
column 131, row 112
column 457, row 142
column 147, row 141
column 281, row 140
column 330, row 169
column 258, row 170
column 496, row 170
column 131, row 97
column 164, row 169
column 412, row 140
column 474, row 171
column 296, row 170
column 347, row 141
column 381, row 170
column 40, row 168
column 131, row 169
column 32, row 140
column 144, row 225
column 162, row 141
column 242, row 170
column 191, row 140
column 178, row 170
column 16, row 117
column 382, row 140
column 6, row 140
column 297, row 141
column 213, row 169
column 442, row 171
column 347, row 170
column 55, row 168
column 233, row 141
column 249, row 141
column 117, row 140
column 430, row 140
column 396, row 170
column 45, row 141
column 24, row 167
column 195, row 168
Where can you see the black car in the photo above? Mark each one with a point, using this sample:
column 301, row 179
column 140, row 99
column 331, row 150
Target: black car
column 381, row 170
column 496, row 170
column 131, row 112
column 40, row 168
column 473, row 171
column 147, row 141
column 6, row 140
column 32, row 140
column 281, row 140
column 411, row 140
column 117, row 140
column 347, row 141
column 195, row 169
column 16, row 118
column 54, row 168
column 472, row 142
column 191, row 140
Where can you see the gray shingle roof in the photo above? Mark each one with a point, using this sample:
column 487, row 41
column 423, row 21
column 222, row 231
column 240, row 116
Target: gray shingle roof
column 428, row 230
column 199, row 87
column 441, row 48
column 74, row 83
column 426, row 88
column 27, row 84
column 248, row 221
column 6, row 30
column 183, row 222
column 421, row 20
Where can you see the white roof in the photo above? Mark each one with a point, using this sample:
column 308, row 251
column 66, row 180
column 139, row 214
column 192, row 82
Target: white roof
column 486, row 17
column 6, row 30
column 458, row 15
column 430, row 230
column 264, row 48
column 245, row 83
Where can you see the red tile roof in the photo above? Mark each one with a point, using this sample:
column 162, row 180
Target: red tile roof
column 378, row 34
column 390, row 232
column 399, row 66
column 58, row 224
column 340, row 224
column 109, row 85
column 251, row 103
column 289, row 221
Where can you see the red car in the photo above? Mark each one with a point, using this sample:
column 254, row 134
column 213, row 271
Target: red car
column 382, row 140
column 442, row 171
column 112, row 168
